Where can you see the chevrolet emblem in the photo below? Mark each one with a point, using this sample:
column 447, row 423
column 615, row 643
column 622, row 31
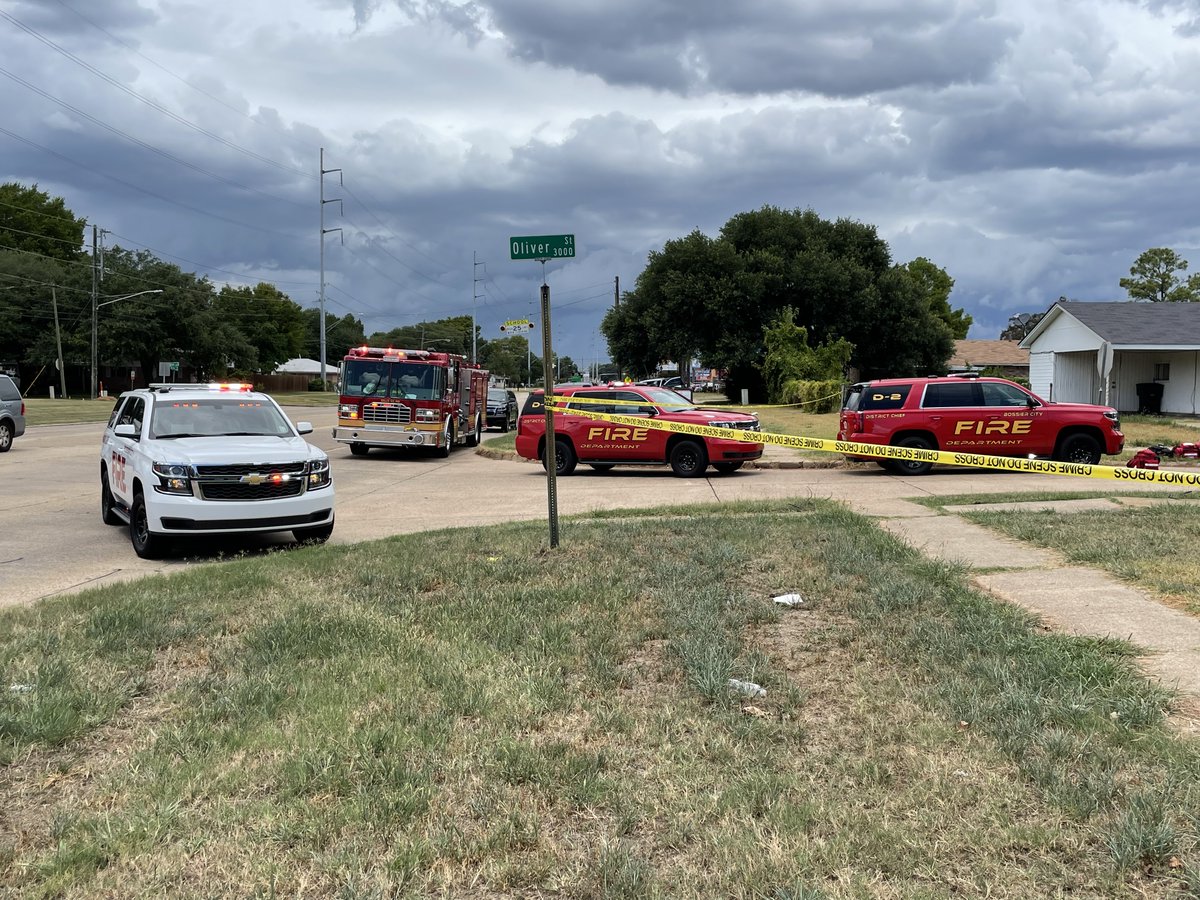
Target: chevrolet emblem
column 253, row 478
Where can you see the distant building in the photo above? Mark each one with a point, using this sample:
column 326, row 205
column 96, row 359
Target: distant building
column 1006, row 357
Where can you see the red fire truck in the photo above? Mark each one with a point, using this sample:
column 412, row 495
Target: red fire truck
column 410, row 398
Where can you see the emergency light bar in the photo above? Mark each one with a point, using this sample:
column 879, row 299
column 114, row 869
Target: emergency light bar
column 215, row 386
column 388, row 353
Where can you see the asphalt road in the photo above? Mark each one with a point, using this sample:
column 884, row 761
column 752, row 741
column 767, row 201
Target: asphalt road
column 52, row 540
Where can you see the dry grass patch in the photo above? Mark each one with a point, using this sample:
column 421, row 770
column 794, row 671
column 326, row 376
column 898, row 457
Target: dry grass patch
column 465, row 713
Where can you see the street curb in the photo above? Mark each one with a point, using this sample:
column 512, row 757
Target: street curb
column 750, row 464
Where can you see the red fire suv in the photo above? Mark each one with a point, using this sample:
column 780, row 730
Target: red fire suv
column 602, row 445
column 966, row 414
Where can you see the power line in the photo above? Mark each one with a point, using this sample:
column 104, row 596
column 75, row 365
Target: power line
column 147, row 191
column 129, row 137
column 146, row 100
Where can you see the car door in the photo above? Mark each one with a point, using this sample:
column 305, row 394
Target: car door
column 639, row 443
column 123, row 451
column 951, row 410
column 1026, row 429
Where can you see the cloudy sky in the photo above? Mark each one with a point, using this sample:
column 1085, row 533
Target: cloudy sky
column 1032, row 149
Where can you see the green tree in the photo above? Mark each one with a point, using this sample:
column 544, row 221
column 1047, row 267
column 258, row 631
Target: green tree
column 788, row 356
column 340, row 335
column 450, row 335
column 1157, row 275
column 32, row 221
column 1020, row 326
column 936, row 284
column 506, row 358
column 713, row 299
column 268, row 320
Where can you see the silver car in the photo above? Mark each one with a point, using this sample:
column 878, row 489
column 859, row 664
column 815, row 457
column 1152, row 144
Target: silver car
column 12, row 413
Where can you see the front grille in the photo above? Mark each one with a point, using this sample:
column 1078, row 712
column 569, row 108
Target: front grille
column 390, row 413
column 235, row 490
column 292, row 468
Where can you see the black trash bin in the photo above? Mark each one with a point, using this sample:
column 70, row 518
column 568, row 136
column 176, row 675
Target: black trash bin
column 1150, row 395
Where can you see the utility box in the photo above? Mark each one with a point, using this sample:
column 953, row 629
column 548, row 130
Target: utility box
column 1150, row 394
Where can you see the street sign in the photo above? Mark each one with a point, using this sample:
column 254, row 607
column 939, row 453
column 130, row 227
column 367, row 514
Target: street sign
column 516, row 326
column 544, row 246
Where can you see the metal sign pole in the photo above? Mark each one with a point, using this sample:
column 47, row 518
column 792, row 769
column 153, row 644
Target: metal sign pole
column 551, row 454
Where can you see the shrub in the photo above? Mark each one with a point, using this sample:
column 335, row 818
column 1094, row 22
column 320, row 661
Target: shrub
column 316, row 384
column 814, row 396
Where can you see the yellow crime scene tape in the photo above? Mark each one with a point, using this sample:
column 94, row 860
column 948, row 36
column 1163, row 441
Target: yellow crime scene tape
column 882, row 451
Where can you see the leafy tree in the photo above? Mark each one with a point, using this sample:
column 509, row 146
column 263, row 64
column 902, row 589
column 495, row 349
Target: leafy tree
column 935, row 284
column 32, row 221
column 506, row 358
column 789, row 358
column 1020, row 326
column 1157, row 276
column 713, row 298
column 268, row 320
column 450, row 335
column 340, row 335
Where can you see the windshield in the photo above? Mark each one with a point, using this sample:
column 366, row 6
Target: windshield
column 498, row 396
column 217, row 417
column 379, row 378
column 669, row 399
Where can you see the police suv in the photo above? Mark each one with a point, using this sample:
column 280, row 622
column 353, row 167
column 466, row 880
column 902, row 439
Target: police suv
column 970, row 414
column 185, row 459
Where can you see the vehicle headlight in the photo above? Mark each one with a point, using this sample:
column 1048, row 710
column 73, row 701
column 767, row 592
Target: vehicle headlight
column 427, row 415
column 173, row 478
column 319, row 474
column 348, row 411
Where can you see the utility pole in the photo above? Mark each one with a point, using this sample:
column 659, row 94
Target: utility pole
column 95, row 299
column 617, row 291
column 325, row 231
column 62, row 373
column 475, row 264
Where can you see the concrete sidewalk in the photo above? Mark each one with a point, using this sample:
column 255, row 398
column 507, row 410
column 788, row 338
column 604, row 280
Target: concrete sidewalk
column 1072, row 599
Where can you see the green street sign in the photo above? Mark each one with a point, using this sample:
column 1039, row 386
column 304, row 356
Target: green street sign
column 544, row 246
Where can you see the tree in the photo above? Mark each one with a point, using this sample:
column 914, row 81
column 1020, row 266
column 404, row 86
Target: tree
column 269, row 321
column 1157, row 276
column 789, row 358
column 1020, row 326
column 506, row 358
column 340, row 335
column 935, row 284
column 713, row 299
column 450, row 335
column 31, row 221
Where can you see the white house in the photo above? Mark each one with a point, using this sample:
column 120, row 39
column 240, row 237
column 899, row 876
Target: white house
column 1101, row 353
column 309, row 367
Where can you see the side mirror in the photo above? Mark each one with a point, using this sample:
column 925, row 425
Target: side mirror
column 126, row 431
column 304, row 427
column 647, row 411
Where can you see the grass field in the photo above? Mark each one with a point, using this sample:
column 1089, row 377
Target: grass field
column 467, row 714
column 42, row 411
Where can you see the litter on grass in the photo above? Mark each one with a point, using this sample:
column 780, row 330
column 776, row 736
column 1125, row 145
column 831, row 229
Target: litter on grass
column 788, row 600
column 747, row 688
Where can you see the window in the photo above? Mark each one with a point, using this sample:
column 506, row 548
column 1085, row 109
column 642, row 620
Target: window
column 1003, row 395
column 863, row 397
column 1162, row 371
column 951, row 393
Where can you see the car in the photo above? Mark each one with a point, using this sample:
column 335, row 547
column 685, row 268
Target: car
column 182, row 460
column 602, row 445
column 502, row 409
column 12, row 413
column 973, row 414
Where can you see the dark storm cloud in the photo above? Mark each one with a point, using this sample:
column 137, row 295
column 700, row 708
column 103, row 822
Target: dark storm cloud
column 78, row 16
column 751, row 47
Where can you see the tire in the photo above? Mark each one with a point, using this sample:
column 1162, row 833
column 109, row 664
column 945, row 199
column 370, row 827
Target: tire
column 906, row 467
column 565, row 459
column 318, row 535
column 506, row 425
column 602, row 467
column 358, row 449
column 447, row 440
column 6, row 436
column 146, row 544
column 477, row 435
column 1079, row 448
column 689, row 459
column 107, row 515
column 727, row 468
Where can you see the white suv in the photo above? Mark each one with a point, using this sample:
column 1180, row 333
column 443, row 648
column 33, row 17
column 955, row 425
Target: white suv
column 186, row 459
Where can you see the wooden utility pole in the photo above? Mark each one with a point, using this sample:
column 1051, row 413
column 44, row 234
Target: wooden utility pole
column 62, row 370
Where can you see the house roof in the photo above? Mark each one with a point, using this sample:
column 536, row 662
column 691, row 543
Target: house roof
column 1131, row 323
column 982, row 354
column 305, row 367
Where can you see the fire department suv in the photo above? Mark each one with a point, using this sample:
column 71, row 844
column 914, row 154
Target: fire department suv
column 602, row 445
column 410, row 398
column 185, row 459
column 964, row 414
